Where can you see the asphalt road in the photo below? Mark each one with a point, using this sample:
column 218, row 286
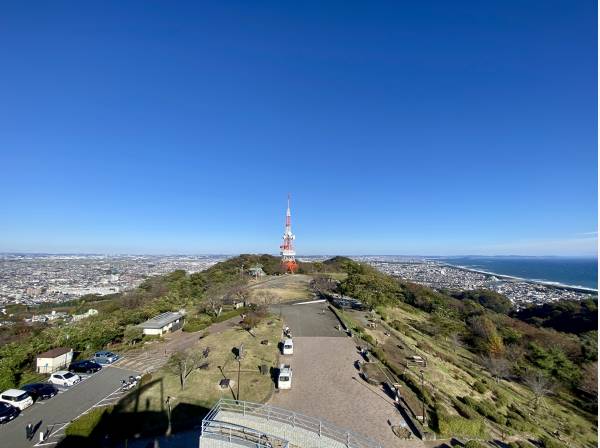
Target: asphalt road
column 52, row 415
column 308, row 319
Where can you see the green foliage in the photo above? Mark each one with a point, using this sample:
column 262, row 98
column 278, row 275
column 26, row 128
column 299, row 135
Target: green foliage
column 132, row 334
column 485, row 408
column 549, row 442
column 474, row 444
column 555, row 363
column 571, row 316
column 196, row 323
column 486, row 298
column 370, row 286
column 85, row 425
column 589, row 346
column 454, row 425
column 480, row 387
column 464, row 410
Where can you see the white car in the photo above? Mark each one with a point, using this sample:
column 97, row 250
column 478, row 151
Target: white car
column 288, row 347
column 17, row 397
column 64, row 378
column 284, row 380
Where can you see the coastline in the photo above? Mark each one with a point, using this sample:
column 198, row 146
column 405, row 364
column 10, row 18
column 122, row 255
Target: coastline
column 549, row 284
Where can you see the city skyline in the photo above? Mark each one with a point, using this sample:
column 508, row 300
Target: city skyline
column 398, row 129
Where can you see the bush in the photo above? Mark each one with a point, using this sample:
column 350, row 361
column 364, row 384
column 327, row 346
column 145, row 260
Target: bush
column 485, row 408
column 480, row 387
column 549, row 442
column 85, row 425
column 196, row 324
column 229, row 314
column 520, row 444
column 464, row 410
column 455, row 425
column 474, row 444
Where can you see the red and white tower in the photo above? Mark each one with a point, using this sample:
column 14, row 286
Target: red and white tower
column 288, row 254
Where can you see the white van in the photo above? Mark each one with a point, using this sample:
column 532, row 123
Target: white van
column 16, row 397
column 284, row 380
column 288, row 347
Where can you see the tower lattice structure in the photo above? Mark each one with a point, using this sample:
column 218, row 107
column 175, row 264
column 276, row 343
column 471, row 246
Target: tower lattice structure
column 288, row 254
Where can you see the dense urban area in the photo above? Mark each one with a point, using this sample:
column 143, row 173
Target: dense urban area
column 440, row 276
column 32, row 279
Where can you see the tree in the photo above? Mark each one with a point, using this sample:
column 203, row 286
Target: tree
column 132, row 334
column 540, row 385
column 183, row 362
column 498, row 367
column 589, row 382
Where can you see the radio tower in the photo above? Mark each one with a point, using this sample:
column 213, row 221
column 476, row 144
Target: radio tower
column 288, row 254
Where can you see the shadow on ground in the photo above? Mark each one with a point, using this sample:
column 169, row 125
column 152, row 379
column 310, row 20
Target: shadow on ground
column 131, row 419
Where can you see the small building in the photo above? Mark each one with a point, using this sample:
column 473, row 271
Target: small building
column 163, row 323
column 89, row 313
column 256, row 271
column 53, row 360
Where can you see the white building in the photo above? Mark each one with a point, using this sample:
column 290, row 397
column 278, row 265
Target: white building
column 163, row 323
column 53, row 360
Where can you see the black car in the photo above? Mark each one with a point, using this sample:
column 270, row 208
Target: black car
column 84, row 367
column 7, row 412
column 40, row 391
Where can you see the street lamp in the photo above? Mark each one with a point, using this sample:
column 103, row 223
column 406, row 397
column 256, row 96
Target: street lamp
column 423, row 395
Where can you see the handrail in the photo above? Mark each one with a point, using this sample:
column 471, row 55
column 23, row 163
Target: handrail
column 312, row 424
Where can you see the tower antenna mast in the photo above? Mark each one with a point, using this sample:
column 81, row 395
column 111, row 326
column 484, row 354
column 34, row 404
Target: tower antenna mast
column 288, row 254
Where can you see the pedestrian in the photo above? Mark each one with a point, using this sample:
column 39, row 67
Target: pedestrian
column 29, row 430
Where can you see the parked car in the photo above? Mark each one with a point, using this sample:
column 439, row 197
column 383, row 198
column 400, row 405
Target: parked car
column 85, row 366
column 8, row 412
column 105, row 357
column 40, row 391
column 64, row 378
column 284, row 380
column 17, row 398
column 288, row 347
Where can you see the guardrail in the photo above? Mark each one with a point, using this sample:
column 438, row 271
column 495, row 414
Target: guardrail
column 296, row 420
column 231, row 432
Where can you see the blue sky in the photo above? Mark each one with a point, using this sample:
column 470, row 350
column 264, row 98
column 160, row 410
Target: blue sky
column 398, row 127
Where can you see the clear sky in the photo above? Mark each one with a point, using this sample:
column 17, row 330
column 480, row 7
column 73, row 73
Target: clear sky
column 402, row 127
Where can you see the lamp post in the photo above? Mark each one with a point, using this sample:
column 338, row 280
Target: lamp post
column 423, row 395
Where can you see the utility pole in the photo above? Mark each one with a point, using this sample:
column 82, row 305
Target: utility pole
column 423, row 395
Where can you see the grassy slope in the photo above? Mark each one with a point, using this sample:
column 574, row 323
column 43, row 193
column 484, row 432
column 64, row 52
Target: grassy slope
column 452, row 371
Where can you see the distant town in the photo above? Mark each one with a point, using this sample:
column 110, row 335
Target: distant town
column 33, row 279
column 439, row 276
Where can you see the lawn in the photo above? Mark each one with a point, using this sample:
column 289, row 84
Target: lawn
column 202, row 386
column 281, row 288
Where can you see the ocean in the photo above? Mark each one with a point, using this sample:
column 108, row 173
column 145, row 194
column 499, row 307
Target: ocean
column 570, row 271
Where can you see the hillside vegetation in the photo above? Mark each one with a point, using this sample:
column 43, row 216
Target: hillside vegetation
column 489, row 374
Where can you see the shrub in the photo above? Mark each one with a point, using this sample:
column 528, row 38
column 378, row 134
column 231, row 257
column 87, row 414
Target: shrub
column 464, row 410
column 479, row 387
column 195, row 324
column 474, row 444
column 485, row 408
column 549, row 442
column 85, row 425
column 455, row 425
column 520, row 444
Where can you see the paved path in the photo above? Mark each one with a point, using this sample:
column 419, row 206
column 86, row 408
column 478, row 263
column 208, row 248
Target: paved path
column 53, row 415
column 327, row 385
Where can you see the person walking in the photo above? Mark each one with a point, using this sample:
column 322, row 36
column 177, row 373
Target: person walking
column 29, row 431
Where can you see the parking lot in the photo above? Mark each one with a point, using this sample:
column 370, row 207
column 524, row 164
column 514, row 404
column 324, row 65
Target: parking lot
column 325, row 382
column 53, row 415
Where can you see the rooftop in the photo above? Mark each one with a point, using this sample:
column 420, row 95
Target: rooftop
column 55, row 352
column 161, row 320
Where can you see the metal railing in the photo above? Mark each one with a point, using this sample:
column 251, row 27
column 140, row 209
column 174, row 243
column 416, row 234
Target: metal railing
column 295, row 419
column 230, row 432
